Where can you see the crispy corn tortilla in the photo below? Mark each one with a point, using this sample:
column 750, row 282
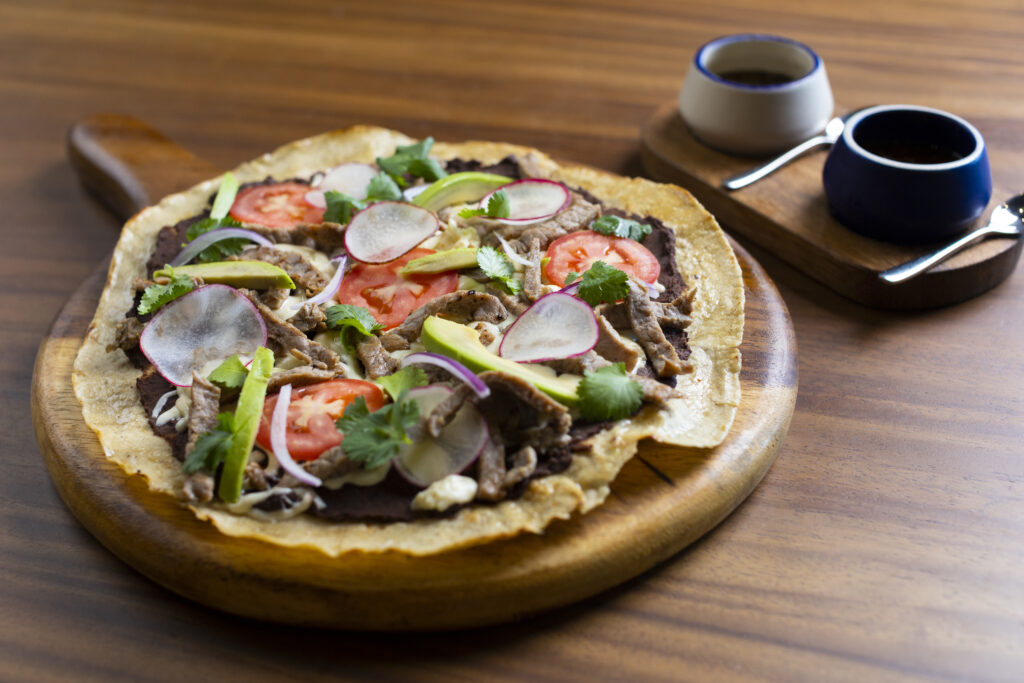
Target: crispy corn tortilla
column 105, row 383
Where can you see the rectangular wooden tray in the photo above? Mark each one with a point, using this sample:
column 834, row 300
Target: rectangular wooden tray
column 787, row 214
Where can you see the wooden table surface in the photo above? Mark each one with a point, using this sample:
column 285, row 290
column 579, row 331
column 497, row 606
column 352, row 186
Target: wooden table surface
column 887, row 541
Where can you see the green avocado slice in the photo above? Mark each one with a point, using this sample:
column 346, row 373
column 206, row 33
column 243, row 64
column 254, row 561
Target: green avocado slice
column 248, row 274
column 459, row 188
column 439, row 262
column 462, row 343
column 247, row 424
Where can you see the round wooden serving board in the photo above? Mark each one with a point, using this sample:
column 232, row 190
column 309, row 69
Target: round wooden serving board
column 662, row 501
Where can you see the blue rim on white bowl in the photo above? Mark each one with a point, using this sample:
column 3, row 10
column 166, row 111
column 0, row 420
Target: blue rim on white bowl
column 699, row 59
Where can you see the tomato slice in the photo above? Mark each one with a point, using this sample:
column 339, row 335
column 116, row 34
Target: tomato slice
column 576, row 252
column 390, row 297
column 312, row 412
column 279, row 205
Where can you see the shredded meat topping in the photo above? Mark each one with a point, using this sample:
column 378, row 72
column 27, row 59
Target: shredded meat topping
column 649, row 335
column 202, row 416
column 299, row 269
column 462, row 306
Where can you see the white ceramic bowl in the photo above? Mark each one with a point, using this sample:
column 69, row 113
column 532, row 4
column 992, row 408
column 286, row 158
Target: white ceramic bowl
column 755, row 94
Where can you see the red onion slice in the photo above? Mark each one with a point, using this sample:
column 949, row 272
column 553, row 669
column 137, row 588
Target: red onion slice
column 193, row 248
column 331, row 288
column 350, row 178
column 457, row 369
column 384, row 231
column 557, row 325
column 532, row 200
column 511, row 253
column 206, row 326
column 279, row 438
column 427, row 459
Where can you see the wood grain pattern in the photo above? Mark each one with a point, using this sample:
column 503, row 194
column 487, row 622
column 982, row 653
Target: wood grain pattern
column 884, row 544
column 660, row 504
column 787, row 214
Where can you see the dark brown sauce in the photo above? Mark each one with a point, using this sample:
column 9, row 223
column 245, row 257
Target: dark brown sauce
column 913, row 152
column 756, row 77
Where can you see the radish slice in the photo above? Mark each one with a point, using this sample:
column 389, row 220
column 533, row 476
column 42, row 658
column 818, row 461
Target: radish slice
column 384, row 231
column 329, row 290
column 279, row 438
column 427, row 459
column 456, row 368
column 532, row 200
column 557, row 325
column 193, row 248
column 206, row 326
column 351, row 179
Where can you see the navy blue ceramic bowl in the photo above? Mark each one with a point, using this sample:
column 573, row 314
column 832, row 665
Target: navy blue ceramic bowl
column 907, row 174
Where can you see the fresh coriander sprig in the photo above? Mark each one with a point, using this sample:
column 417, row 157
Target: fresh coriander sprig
column 158, row 295
column 603, row 283
column 375, row 438
column 497, row 207
column 609, row 393
column 397, row 383
column 610, row 224
column 211, row 447
column 499, row 268
column 412, row 159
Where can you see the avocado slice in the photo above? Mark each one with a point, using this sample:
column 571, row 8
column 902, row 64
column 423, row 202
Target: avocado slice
column 438, row 262
column 459, row 188
column 462, row 343
column 248, row 274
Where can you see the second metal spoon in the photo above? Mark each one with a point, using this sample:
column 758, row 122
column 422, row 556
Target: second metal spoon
column 833, row 129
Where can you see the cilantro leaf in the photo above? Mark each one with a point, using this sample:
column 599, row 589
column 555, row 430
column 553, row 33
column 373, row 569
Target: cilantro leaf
column 230, row 375
column 571, row 277
column 157, row 295
column 498, row 267
column 397, row 383
column 374, row 438
column 412, row 159
column 603, row 284
column 497, row 207
column 383, row 187
column 610, row 224
column 211, row 447
column 609, row 393
column 347, row 315
column 219, row 250
column 340, row 207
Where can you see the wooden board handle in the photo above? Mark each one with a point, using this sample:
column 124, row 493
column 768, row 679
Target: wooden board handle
column 127, row 165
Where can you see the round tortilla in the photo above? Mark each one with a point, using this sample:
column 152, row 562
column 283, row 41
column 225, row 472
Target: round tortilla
column 104, row 382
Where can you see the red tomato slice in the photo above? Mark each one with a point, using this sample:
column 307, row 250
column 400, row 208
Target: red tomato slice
column 281, row 205
column 388, row 296
column 312, row 412
column 576, row 252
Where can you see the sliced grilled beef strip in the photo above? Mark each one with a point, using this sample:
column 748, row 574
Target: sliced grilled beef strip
column 326, row 237
column 202, row 416
column 301, row 376
column 654, row 391
column 254, row 477
column 198, row 488
column 309, row 318
column 614, row 347
column 532, row 288
column 305, row 275
column 577, row 216
column 126, row 336
column 513, row 304
column 444, row 412
column 661, row 354
column 375, row 359
column 283, row 338
column 523, row 414
column 490, row 470
column 524, row 462
column 273, row 298
column 462, row 306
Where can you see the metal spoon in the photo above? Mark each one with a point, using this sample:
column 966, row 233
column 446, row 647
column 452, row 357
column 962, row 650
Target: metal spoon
column 1006, row 219
column 833, row 129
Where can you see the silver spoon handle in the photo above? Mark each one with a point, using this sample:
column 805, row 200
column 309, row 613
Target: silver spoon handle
column 747, row 177
column 913, row 268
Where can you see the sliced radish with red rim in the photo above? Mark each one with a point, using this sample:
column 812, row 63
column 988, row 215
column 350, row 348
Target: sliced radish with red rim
column 532, row 200
column 557, row 325
column 201, row 329
column 384, row 231
column 427, row 459
column 350, row 178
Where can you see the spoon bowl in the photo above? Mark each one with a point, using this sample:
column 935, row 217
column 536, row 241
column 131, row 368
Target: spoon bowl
column 1007, row 220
